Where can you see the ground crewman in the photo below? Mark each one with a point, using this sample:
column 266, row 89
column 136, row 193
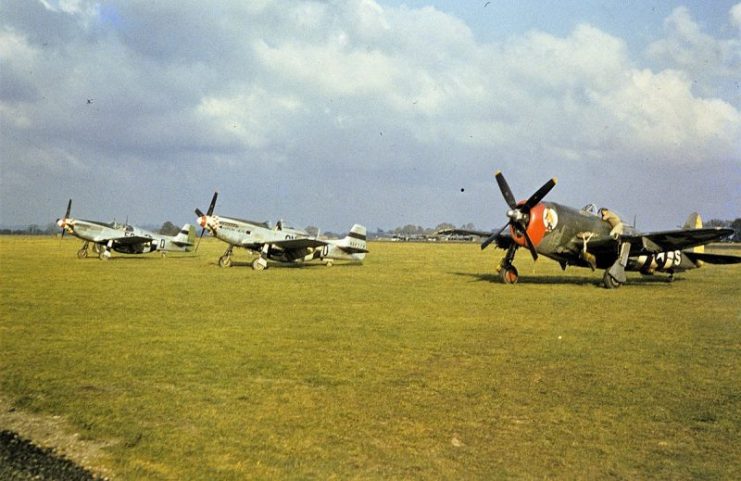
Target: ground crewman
column 614, row 220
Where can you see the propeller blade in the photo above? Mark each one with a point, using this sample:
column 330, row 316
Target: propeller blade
column 539, row 194
column 530, row 245
column 209, row 212
column 203, row 231
column 492, row 237
column 63, row 221
column 506, row 191
column 213, row 204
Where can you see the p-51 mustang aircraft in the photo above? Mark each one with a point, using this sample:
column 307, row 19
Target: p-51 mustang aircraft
column 126, row 239
column 594, row 238
column 280, row 243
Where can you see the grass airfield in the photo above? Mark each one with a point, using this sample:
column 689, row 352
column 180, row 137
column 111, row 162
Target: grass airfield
column 416, row 365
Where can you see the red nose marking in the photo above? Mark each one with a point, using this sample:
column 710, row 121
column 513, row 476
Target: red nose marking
column 535, row 227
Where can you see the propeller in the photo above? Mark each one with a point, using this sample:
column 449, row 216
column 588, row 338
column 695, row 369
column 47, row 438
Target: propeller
column 203, row 218
column 519, row 215
column 63, row 221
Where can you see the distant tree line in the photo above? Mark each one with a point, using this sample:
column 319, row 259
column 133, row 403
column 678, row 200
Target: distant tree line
column 168, row 228
column 733, row 224
column 409, row 230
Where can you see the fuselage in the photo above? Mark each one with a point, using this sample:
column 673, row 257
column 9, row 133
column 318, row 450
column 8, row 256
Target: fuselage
column 559, row 232
column 248, row 234
column 116, row 237
column 274, row 243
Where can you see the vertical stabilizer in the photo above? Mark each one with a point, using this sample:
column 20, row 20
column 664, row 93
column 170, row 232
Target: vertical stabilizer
column 186, row 237
column 354, row 245
column 356, row 237
column 694, row 221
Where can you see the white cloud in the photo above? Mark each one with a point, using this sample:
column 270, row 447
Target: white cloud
column 333, row 87
column 736, row 15
column 256, row 117
column 706, row 60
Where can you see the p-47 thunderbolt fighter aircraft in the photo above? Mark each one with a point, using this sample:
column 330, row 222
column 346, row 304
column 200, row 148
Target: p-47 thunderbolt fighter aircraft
column 594, row 238
column 123, row 238
column 279, row 243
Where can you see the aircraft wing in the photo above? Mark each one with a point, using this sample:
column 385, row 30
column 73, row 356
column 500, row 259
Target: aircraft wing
column 674, row 239
column 463, row 232
column 121, row 239
column 301, row 243
column 126, row 240
column 503, row 239
column 712, row 258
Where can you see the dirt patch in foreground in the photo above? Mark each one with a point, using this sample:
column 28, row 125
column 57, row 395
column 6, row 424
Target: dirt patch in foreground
column 43, row 447
column 21, row 460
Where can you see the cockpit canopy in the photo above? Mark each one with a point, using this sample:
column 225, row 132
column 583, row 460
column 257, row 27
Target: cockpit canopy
column 590, row 209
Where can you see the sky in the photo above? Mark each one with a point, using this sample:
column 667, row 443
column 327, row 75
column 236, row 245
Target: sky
column 383, row 113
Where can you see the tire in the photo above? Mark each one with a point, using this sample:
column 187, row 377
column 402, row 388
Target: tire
column 509, row 275
column 259, row 264
column 609, row 282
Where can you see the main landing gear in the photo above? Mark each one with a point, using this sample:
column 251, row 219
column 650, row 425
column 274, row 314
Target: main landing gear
column 507, row 272
column 82, row 253
column 226, row 259
column 614, row 277
column 104, row 252
column 261, row 263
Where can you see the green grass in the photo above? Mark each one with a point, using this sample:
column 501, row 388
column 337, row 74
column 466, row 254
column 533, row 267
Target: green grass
column 416, row 365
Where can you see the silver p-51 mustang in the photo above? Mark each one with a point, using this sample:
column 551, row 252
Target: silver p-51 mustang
column 279, row 243
column 123, row 238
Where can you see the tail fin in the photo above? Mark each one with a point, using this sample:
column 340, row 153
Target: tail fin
column 694, row 221
column 355, row 241
column 186, row 237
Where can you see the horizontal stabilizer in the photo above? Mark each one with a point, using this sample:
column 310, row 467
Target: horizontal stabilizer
column 713, row 258
column 353, row 250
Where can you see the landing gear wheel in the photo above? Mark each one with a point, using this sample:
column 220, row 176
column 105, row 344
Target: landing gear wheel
column 609, row 282
column 259, row 264
column 104, row 255
column 330, row 263
column 509, row 275
column 225, row 261
column 82, row 253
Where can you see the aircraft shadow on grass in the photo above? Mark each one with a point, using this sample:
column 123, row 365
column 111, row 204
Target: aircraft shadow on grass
column 133, row 258
column 564, row 280
column 291, row 265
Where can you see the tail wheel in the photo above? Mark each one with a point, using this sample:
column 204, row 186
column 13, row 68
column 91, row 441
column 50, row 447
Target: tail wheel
column 509, row 275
